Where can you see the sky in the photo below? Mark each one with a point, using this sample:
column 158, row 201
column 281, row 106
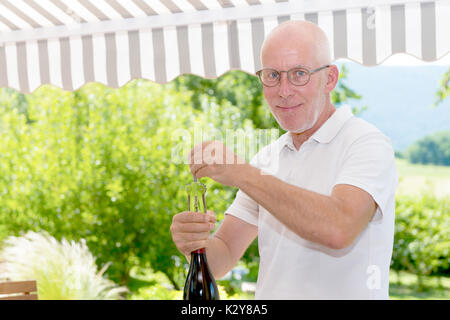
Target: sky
column 399, row 95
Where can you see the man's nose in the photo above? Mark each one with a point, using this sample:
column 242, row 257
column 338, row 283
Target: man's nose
column 285, row 87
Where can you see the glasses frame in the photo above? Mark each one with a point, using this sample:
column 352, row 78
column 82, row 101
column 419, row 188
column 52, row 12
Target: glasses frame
column 310, row 72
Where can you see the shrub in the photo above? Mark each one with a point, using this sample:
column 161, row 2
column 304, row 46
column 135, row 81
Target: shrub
column 422, row 235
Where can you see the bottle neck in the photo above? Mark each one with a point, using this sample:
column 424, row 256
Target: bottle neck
column 202, row 250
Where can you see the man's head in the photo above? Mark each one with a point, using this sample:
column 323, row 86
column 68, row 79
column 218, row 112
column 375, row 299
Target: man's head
column 292, row 44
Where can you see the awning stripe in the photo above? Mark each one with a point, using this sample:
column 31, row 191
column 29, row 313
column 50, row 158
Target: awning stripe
column 428, row 31
column 145, row 7
column 367, row 35
column 111, row 59
column 66, row 67
column 75, row 17
column 44, row 68
column 3, row 74
column 283, row 18
column 208, row 50
column 22, row 66
column 88, row 58
column 183, row 47
column 120, row 9
column 233, row 46
column 171, row 6
column 8, row 23
column 43, row 12
column 198, row 5
column 312, row 17
column 398, row 29
column 94, row 10
column 340, row 34
column 159, row 55
column 135, row 54
column 258, row 38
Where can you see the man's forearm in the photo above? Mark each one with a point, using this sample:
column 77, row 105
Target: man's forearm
column 311, row 215
column 218, row 256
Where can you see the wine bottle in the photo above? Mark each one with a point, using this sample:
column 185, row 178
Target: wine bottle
column 200, row 283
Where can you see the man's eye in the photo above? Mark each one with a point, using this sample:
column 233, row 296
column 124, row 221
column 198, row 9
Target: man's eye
column 273, row 75
column 299, row 73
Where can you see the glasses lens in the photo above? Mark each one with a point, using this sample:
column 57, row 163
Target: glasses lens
column 298, row 76
column 269, row 77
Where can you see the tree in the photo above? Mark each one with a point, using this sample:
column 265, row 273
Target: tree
column 432, row 149
column 444, row 88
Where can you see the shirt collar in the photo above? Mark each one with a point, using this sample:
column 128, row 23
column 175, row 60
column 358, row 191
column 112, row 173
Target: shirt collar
column 333, row 125
column 326, row 132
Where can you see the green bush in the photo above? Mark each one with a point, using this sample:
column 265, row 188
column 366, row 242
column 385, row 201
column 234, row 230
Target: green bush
column 96, row 164
column 422, row 235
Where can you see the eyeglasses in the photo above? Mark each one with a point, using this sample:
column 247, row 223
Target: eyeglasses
column 298, row 76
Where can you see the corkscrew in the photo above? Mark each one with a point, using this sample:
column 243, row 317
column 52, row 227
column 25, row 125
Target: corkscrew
column 196, row 190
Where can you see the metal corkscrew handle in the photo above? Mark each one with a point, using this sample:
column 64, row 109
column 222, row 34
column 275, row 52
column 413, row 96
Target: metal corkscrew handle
column 194, row 191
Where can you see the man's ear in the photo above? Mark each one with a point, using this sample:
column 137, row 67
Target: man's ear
column 332, row 78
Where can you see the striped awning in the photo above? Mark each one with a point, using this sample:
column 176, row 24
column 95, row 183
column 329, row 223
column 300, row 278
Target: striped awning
column 68, row 43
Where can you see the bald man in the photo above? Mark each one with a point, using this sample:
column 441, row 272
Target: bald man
column 320, row 199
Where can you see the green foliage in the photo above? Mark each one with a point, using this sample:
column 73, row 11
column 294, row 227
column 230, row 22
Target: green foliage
column 97, row 164
column 422, row 235
column 444, row 88
column 434, row 149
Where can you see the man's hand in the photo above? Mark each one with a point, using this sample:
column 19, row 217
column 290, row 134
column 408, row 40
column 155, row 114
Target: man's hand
column 213, row 159
column 190, row 230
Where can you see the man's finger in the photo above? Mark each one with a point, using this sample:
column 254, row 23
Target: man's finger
column 192, row 217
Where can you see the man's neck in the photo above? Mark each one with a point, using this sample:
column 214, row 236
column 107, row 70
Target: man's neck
column 299, row 138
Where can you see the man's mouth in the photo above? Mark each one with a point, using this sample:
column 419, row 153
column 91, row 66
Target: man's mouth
column 289, row 107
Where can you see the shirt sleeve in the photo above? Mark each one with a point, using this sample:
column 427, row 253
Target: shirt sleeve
column 369, row 164
column 244, row 208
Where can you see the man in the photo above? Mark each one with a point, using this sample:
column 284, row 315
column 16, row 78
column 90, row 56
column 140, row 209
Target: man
column 323, row 209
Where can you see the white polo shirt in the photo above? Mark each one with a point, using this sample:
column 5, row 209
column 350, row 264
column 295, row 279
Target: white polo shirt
column 345, row 150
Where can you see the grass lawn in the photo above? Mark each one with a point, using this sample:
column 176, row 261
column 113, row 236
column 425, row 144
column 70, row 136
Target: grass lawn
column 434, row 288
column 415, row 178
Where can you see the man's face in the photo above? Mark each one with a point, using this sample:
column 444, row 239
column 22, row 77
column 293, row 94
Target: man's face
column 296, row 108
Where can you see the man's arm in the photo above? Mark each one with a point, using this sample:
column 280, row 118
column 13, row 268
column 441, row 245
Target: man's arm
column 228, row 244
column 334, row 221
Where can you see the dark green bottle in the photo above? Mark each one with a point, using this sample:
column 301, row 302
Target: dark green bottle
column 200, row 283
